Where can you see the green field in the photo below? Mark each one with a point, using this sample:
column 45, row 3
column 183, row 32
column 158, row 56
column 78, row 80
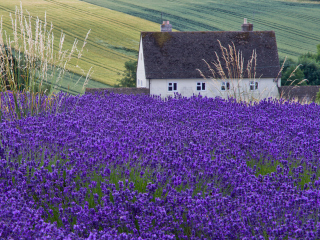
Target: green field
column 114, row 37
column 71, row 84
column 297, row 24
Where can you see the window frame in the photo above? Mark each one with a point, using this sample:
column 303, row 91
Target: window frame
column 202, row 86
column 226, row 85
column 253, row 85
column 173, row 84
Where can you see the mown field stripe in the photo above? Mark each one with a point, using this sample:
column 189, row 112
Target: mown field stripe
column 114, row 38
column 93, row 62
column 73, row 35
column 116, row 23
column 295, row 24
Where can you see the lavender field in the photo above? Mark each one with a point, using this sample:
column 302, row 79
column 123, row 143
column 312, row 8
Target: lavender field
column 138, row 167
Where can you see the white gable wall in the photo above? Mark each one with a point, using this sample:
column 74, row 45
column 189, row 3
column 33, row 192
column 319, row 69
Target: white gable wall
column 187, row 87
column 141, row 74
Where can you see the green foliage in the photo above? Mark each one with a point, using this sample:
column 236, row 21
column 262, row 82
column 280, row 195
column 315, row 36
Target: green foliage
column 129, row 75
column 264, row 167
column 292, row 77
column 287, row 63
column 308, row 56
column 311, row 68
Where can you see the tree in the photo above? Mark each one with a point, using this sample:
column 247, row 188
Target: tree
column 129, row 75
column 311, row 70
column 308, row 55
column 292, row 76
column 289, row 62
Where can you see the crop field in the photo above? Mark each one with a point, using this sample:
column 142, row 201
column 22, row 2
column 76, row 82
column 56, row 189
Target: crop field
column 113, row 40
column 296, row 24
column 73, row 83
column 102, row 166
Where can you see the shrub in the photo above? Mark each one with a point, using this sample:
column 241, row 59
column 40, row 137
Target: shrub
column 129, row 76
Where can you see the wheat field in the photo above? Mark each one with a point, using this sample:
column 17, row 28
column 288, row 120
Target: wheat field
column 113, row 40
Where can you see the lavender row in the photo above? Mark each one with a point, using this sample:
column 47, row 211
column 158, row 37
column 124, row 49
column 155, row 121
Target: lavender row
column 130, row 167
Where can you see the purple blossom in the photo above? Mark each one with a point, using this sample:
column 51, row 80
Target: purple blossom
column 138, row 167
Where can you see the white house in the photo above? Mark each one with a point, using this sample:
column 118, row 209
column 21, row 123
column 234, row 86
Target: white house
column 169, row 62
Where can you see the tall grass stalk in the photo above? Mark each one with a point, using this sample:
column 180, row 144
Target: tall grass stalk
column 30, row 67
column 292, row 74
column 294, row 83
column 230, row 67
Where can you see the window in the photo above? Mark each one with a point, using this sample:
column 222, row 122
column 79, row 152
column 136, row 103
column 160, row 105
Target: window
column 201, row 86
column 172, row 87
column 225, row 85
column 253, row 85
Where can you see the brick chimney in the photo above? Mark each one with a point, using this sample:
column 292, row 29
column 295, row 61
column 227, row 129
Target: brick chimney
column 166, row 27
column 246, row 27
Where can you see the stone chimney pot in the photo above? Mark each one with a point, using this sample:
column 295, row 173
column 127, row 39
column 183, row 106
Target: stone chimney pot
column 166, row 27
column 246, row 27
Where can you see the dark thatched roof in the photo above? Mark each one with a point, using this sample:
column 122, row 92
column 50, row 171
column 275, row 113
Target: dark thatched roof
column 169, row 55
column 301, row 93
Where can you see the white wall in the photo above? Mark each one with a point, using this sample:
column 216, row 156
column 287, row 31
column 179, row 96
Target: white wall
column 279, row 82
column 141, row 75
column 187, row 87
